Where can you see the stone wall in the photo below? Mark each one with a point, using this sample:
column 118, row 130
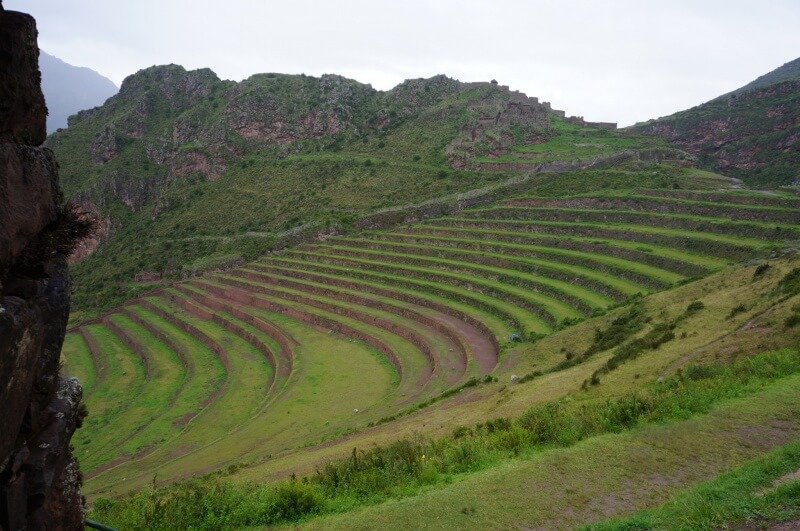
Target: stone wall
column 578, row 120
column 39, row 409
column 492, row 120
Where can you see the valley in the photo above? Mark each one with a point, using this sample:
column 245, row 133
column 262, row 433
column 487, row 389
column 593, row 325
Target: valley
column 311, row 302
column 294, row 301
column 391, row 322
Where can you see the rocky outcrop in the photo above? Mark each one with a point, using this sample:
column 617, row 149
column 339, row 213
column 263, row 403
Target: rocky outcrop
column 750, row 134
column 497, row 121
column 39, row 410
column 105, row 145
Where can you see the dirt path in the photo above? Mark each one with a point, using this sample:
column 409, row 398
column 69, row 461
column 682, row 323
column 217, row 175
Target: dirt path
column 481, row 347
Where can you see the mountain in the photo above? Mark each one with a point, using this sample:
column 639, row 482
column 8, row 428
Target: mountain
column 192, row 172
column 788, row 72
column 752, row 133
column 69, row 89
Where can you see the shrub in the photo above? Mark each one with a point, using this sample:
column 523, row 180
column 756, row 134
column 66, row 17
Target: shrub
column 760, row 270
column 296, row 499
column 790, row 283
column 736, row 310
column 694, row 307
column 618, row 330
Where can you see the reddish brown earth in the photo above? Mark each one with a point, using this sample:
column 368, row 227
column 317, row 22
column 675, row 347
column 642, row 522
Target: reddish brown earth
column 240, row 295
column 132, row 345
column 455, row 341
column 204, row 306
column 410, row 335
column 444, row 309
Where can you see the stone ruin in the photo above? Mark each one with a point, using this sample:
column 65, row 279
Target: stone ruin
column 500, row 115
column 578, row 120
column 494, row 121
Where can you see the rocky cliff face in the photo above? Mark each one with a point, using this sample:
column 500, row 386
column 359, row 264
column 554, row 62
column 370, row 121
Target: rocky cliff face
column 752, row 133
column 39, row 410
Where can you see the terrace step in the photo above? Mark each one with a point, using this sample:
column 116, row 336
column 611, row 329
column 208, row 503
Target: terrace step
column 191, row 356
column 415, row 299
column 445, row 327
column 603, row 289
column 421, row 340
column 665, row 205
column 587, row 251
column 516, row 318
column 519, row 298
column 694, row 241
column 211, row 314
column 237, row 292
column 747, row 234
column 767, row 198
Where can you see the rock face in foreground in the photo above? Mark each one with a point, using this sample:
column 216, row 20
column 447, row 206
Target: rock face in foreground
column 39, row 410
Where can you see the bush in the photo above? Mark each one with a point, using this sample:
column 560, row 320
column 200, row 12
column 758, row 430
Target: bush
column 694, row 307
column 736, row 311
column 295, row 499
column 790, row 283
column 618, row 330
column 760, row 270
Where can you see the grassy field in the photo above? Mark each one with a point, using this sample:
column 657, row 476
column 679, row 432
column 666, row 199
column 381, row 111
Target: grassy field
column 409, row 329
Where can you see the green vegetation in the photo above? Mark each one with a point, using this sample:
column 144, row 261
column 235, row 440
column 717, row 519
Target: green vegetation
column 760, row 120
column 334, row 325
column 570, row 142
column 400, row 469
column 432, row 308
column 764, row 492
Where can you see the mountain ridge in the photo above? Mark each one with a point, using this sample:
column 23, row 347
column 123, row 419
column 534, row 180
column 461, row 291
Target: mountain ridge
column 69, row 89
column 751, row 133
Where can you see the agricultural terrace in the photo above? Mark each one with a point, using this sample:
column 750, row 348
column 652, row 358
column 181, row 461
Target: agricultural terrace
column 308, row 345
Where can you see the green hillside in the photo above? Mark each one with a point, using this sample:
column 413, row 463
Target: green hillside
column 190, row 172
column 788, row 72
column 752, row 133
column 569, row 288
column 317, row 304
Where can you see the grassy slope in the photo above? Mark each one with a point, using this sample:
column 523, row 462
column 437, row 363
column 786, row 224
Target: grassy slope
column 761, row 494
column 697, row 332
column 710, row 336
column 601, row 477
column 325, row 366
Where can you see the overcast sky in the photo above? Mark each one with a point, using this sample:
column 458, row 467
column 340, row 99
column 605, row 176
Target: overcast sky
column 614, row 60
